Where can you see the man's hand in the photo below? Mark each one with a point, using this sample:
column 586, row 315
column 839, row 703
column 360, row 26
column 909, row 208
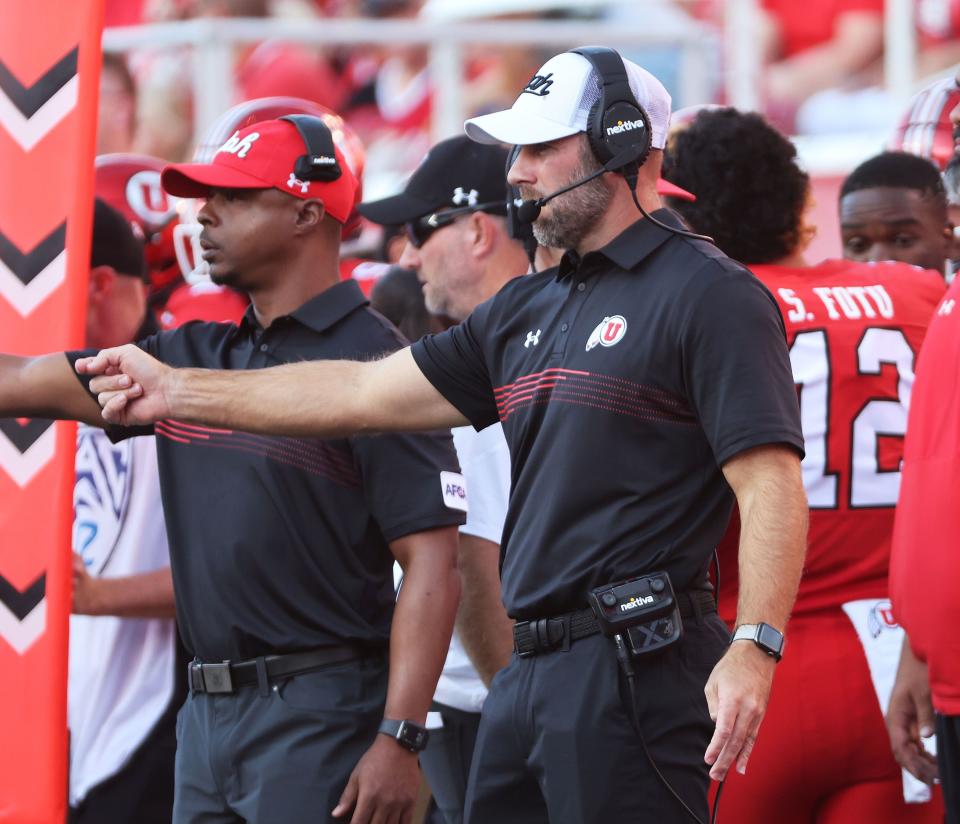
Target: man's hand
column 910, row 717
column 383, row 786
column 131, row 385
column 737, row 694
column 86, row 599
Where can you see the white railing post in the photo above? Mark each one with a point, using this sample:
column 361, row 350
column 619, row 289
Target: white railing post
column 900, row 50
column 447, row 77
column 742, row 50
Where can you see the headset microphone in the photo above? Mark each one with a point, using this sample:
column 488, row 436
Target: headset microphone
column 529, row 210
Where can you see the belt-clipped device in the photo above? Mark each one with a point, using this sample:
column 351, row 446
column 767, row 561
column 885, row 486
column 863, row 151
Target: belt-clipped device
column 547, row 634
column 227, row 676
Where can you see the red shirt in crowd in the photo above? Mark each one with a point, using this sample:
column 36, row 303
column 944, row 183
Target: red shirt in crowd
column 925, row 559
column 804, row 25
column 854, row 332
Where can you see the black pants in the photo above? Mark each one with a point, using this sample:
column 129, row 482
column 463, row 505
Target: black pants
column 280, row 754
column 142, row 792
column 556, row 743
column 446, row 763
column 948, row 757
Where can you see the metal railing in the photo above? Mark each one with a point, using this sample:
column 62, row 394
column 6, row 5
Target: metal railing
column 211, row 41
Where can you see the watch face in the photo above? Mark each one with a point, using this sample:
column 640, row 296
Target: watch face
column 412, row 736
column 770, row 638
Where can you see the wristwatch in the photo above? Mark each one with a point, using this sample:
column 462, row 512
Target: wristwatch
column 770, row 640
column 408, row 735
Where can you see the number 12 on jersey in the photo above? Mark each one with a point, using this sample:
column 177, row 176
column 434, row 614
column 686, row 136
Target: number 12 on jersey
column 870, row 485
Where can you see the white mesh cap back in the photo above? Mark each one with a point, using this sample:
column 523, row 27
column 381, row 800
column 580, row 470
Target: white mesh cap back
column 557, row 103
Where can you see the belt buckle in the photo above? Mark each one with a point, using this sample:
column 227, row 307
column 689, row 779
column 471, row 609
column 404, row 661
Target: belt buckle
column 522, row 628
column 216, row 677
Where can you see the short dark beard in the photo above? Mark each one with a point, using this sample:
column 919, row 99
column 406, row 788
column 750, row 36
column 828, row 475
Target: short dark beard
column 575, row 213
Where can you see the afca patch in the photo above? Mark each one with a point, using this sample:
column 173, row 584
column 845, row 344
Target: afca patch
column 454, row 488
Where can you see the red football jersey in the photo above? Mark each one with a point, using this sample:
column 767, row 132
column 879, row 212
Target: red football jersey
column 854, row 332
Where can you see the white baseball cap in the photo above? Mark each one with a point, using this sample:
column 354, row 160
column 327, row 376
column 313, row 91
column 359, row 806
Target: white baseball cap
column 557, row 101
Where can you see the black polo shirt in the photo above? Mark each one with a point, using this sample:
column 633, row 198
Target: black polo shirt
column 280, row 544
column 624, row 381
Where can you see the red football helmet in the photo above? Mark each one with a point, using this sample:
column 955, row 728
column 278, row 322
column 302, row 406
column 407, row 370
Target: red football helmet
column 187, row 234
column 131, row 184
column 926, row 129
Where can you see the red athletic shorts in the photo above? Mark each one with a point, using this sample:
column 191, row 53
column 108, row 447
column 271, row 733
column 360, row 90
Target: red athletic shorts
column 823, row 754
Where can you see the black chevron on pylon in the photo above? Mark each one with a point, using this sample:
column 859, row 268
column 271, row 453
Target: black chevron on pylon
column 21, row 604
column 27, row 266
column 29, row 99
column 24, row 435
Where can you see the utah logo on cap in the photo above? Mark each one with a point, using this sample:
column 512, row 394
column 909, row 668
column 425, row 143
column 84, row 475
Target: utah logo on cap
column 237, row 146
column 609, row 332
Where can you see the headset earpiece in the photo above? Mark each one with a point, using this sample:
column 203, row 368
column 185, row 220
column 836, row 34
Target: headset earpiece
column 320, row 162
column 616, row 122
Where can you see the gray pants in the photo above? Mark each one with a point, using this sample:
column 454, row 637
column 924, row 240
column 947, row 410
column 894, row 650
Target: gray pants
column 278, row 754
column 446, row 763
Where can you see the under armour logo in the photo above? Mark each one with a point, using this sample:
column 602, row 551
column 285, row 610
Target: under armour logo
column 293, row 182
column 539, row 85
column 461, row 197
column 946, row 307
column 532, row 338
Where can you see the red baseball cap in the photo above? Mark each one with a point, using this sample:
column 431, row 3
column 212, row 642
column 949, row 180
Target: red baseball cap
column 263, row 156
column 665, row 187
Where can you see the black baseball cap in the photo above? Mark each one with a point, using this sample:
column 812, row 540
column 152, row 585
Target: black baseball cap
column 456, row 173
column 116, row 244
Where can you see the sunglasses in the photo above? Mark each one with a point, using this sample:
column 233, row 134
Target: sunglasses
column 419, row 230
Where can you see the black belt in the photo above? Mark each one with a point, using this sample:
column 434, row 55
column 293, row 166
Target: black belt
column 226, row 676
column 547, row 634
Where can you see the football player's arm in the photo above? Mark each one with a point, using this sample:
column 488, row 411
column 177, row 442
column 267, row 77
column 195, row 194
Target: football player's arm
column 44, row 387
column 773, row 537
column 314, row 398
column 145, row 595
column 384, row 784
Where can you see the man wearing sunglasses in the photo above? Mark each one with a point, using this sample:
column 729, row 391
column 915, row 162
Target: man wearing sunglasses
column 452, row 210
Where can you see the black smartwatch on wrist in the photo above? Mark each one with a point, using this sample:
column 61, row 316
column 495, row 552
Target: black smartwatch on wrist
column 769, row 640
column 408, row 735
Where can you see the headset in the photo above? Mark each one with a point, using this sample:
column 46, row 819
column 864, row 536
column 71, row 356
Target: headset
column 617, row 126
column 618, row 130
column 320, row 162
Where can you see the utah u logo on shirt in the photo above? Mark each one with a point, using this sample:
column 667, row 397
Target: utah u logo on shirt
column 609, row 332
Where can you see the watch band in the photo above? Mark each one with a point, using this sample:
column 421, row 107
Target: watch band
column 407, row 734
column 769, row 639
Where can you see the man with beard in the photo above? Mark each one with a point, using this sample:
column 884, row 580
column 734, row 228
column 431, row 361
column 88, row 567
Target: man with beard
column 282, row 549
column 641, row 385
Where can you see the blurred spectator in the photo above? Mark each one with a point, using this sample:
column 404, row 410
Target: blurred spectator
column 821, row 756
column 893, row 207
column 126, row 666
column 398, row 296
column 117, row 106
column 938, row 27
column 814, row 45
column 131, row 184
column 272, row 67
